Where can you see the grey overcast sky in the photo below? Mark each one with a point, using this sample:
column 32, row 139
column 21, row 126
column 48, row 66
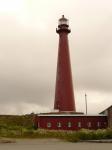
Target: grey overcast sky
column 29, row 47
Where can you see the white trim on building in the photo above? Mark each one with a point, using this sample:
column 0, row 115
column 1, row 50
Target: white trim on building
column 70, row 115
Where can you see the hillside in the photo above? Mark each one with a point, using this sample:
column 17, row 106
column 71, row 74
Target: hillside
column 7, row 121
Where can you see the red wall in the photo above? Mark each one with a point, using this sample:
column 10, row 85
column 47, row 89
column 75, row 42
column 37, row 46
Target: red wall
column 110, row 117
column 43, row 120
column 64, row 95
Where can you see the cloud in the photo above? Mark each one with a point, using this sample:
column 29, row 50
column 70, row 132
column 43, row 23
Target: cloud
column 29, row 47
column 93, row 58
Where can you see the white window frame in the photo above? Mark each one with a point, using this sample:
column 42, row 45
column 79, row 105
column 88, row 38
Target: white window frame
column 79, row 124
column 59, row 124
column 89, row 124
column 49, row 124
column 69, row 124
column 98, row 124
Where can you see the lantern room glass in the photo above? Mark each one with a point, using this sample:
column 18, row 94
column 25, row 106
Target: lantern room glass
column 63, row 21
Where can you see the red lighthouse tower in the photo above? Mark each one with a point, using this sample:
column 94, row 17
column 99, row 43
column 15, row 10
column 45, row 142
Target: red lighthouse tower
column 64, row 95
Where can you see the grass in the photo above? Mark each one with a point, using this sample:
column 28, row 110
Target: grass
column 73, row 136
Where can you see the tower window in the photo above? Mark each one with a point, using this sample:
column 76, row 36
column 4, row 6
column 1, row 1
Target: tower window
column 59, row 124
column 69, row 124
column 79, row 124
column 49, row 125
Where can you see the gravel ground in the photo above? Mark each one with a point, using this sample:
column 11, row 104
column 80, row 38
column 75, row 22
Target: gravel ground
column 52, row 144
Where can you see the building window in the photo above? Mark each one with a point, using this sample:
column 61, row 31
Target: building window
column 89, row 124
column 98, row 124
column 59, row 124
column 79, row 124
column 69, row 124
column 49, row 125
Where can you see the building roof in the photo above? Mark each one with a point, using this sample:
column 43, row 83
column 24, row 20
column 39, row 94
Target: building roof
column 105, row 109
column 69, row 115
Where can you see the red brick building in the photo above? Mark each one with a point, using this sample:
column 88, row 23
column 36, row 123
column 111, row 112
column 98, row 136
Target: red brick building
column 71, row 121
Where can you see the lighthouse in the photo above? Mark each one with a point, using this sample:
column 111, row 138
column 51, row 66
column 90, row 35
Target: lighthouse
column 64, row 92
column 66, row 118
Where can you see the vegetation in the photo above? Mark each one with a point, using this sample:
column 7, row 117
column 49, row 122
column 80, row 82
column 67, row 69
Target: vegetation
column 22, row 127
column 16, row 120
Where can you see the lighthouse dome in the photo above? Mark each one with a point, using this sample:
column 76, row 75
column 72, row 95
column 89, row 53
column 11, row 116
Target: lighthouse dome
column 63, row 21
